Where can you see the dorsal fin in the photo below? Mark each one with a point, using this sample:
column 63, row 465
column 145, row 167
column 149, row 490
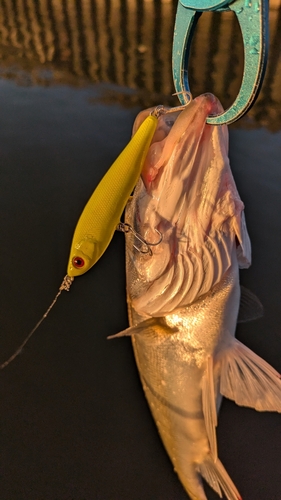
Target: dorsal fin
column 250, row 306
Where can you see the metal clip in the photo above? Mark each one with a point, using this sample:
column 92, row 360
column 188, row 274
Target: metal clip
column 145, row 245
column 253, row 20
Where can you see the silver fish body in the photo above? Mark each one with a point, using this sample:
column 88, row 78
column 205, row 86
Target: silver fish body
column 177, row 376
column 183, row 300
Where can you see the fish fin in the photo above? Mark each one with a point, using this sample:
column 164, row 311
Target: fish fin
column 248, row 379
column 243, row 251
column 216, row 476
column 250, row 306
column 209, row 407
column 150, row 325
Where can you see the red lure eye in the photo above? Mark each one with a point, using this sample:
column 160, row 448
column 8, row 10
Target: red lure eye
column 78, row 262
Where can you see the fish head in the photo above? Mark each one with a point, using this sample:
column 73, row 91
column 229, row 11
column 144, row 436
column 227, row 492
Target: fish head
column 83, row 255
column 188, row 194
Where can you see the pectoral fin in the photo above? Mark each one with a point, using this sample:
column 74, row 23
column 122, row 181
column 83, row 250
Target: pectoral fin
column 149, row 326
column 250, row 306
column 248, row 379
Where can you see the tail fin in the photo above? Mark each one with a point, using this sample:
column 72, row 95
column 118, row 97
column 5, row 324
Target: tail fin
column 248, row 379
column 216, row 476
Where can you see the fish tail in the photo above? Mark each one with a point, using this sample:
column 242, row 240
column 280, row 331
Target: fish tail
column 248, row 379
column 216, row 476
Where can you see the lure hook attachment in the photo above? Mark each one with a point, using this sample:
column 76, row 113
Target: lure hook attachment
column 161, row 110
column 145, row 245
column 253, row 20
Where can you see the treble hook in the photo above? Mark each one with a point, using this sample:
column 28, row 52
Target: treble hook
column 126, row 228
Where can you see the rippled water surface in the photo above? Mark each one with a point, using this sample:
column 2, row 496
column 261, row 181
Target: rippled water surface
column 73, row 75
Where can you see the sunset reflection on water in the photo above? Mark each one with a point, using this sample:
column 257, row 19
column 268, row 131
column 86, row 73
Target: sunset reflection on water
column 129, row 43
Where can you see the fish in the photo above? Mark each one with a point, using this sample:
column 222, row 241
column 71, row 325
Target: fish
column 184, row 297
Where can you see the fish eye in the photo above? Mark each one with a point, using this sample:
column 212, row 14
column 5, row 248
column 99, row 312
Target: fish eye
column 78, row 262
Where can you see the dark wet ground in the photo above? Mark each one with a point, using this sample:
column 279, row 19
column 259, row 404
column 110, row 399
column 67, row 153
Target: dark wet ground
column 74, row 421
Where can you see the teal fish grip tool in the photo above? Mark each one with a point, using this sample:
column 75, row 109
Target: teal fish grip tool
column 252, row 16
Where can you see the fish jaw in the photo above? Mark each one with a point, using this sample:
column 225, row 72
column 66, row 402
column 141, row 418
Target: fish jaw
column 171, row 132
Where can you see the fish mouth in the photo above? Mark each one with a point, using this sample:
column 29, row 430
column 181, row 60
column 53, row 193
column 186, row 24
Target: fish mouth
column 171, row 131
column 213, row 105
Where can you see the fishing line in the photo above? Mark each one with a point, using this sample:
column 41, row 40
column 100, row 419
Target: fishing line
column 95, row 245
column 66, row 284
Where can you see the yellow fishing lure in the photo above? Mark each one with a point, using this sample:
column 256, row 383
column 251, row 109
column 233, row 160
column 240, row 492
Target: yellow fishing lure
column 98, row 221
column 101, row 215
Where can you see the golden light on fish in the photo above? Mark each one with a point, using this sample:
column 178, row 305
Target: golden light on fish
column 183, row 300
column 174, row 320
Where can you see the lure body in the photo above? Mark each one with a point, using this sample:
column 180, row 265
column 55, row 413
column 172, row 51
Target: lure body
column 183, row 300
column 98, row 221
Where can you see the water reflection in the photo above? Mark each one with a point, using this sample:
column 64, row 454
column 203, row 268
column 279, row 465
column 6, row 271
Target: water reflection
column 128, row 42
